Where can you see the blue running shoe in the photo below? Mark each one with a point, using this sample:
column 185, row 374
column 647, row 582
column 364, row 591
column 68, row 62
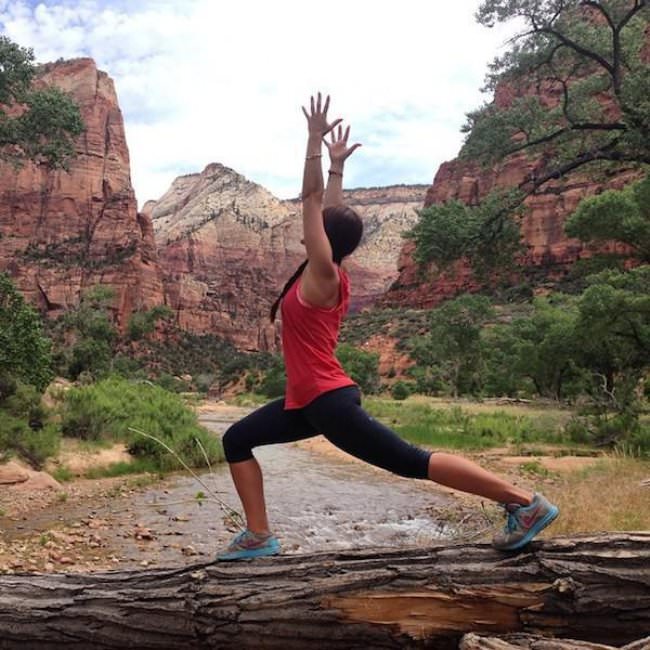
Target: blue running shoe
column 524, row 522
column 248, row 545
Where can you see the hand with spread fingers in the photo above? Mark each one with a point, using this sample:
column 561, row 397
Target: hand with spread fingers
column 339, row 152
column 317, row 117
column 338, row 145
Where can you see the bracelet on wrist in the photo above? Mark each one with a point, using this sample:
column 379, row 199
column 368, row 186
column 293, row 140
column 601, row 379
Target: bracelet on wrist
column 335, row 173
column 313, row 156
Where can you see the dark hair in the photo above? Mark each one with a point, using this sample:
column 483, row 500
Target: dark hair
column 344, row 228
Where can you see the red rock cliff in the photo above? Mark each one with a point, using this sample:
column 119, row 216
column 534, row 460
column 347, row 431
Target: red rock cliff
column 62, row 232
column 549, row 252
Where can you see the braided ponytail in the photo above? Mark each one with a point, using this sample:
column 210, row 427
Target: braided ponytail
column 287, row 286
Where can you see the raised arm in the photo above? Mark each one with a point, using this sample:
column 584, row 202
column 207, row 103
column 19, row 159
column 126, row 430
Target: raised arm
column 338, row 152
column 320, row 268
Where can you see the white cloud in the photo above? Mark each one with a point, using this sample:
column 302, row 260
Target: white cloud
column 209, row 80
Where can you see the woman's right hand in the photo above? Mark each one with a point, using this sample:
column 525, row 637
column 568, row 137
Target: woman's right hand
column 338, row 146
column 317, row 118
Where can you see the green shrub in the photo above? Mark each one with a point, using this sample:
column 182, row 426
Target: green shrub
column 33, row 445
column 91, row 412
column 274, row 381
column 142, row 323
column 401, row 390
column 8, row 385
column 25, row 353
column 62, row 474
column 577, row 430
column 362, row 367
column 111, row 407
column 127, row 367
column 203, row 382
column 637, row 441
column 251, row 382
column 92, row 356
column 25, row 403
column 172, row 384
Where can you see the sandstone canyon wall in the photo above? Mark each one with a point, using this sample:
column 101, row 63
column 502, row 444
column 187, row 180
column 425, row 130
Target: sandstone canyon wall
column 387, row 213
column 227, row 246
column 62, row 232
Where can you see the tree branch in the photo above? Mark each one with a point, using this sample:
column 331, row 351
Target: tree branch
column 571, row 44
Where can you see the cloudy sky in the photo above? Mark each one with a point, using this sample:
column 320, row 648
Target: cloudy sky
column 203, row 81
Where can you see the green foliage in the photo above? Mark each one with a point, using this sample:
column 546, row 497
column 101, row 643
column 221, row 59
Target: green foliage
column 453, row 346
column 613, row 332
column 62, row 474
column 144, row 322
column 203, row 354
column 37, row 124
column 541, row 347
column 458, row 429
column 204, row 381
column 25, row 402
column 34, row 445
column 449, row 231
column 107, row 409
column 142, row 465
column 616, row 215
column 593, row 57
column 274, row 379
column 90, row 356
column 24, row 350
column 86, row 337
column 401, row 390
column 362, row 367
column 576, row 102
column 172, row 384
column 621, row 431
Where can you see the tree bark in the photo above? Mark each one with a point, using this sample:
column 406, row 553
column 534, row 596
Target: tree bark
column 533, row 642
column 592, row 588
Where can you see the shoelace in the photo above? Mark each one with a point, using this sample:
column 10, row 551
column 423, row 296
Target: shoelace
column 240, row 540
column 512, row 523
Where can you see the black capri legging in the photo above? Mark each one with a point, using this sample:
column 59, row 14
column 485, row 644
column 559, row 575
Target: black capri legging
column 339, row 417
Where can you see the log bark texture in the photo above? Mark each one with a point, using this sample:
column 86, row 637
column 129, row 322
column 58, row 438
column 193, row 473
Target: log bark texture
column 533, row 642
column 592, row 588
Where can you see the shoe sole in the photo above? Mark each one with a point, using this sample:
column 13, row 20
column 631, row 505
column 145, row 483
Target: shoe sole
column 551, row 515
column 247, row 555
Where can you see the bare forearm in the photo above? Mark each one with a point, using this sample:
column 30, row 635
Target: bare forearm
column 312, row 179
column 334, row 189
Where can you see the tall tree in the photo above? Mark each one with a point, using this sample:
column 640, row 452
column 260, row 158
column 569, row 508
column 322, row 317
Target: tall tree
column 613, row 330
column 590, row 58
column 24, row 350
column 453, row 346
column 579, row 75
column 39, row 124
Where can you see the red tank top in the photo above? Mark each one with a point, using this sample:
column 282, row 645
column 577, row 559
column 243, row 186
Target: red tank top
column 309, row 337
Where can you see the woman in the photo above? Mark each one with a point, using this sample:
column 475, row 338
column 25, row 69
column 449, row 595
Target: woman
column 320, row 398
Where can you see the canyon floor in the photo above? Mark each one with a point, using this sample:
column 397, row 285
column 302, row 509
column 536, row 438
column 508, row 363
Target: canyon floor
column 319, row 498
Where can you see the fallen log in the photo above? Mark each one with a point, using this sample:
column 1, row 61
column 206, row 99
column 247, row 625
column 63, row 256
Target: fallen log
column 533, row 642
column 591, row 588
